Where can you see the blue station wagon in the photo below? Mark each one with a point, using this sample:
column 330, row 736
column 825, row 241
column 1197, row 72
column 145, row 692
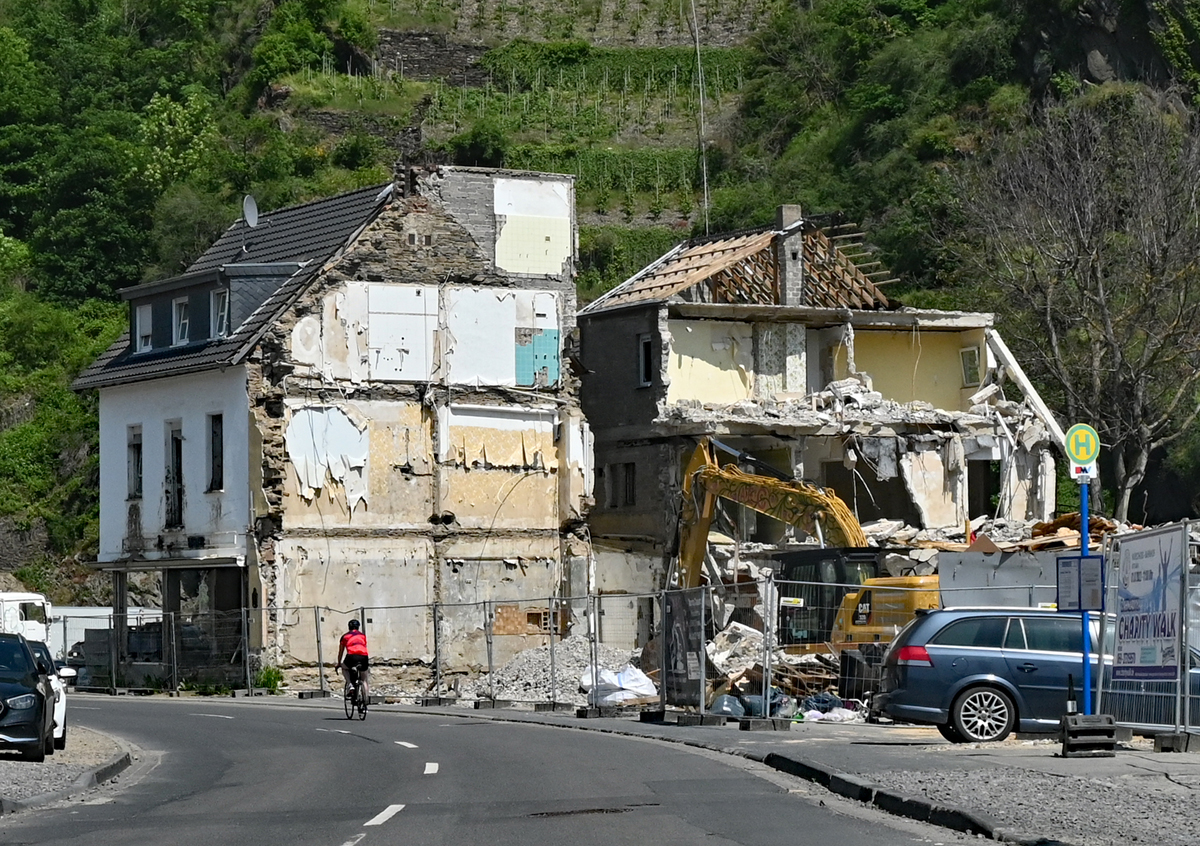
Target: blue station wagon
column 978, row 674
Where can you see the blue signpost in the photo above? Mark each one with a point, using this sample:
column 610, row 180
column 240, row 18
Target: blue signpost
column 1083, row 447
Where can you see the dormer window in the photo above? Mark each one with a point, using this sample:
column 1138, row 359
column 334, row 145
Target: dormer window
column 220, row 313
column 181, row 320
column 142, row 329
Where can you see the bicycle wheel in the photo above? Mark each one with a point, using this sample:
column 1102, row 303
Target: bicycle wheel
column 362, row 703
column 348, row 701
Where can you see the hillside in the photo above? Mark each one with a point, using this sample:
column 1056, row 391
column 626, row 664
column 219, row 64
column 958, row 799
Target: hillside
column 130, row 131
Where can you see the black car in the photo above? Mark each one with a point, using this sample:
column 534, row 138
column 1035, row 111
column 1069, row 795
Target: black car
column 26, row 701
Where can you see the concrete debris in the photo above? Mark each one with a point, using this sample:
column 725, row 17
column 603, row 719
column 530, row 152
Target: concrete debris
column 735, row 648
column 526, row 678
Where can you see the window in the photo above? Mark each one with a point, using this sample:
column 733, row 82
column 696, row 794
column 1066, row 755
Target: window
column 174, row 515
column 216, row 452
column 220, row 313
column 985, row 632
column 143, row 328
column 180, row 323
column 645, row 361
column 970, row 366
column 1054, row 634
column 134, row 454
column 621, row 485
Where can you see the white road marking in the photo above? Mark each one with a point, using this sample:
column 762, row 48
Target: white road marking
column 406, row 744
column 431, row 768
column 218, row 716
column 83, row 708
column 384, row 815
column 355, row 839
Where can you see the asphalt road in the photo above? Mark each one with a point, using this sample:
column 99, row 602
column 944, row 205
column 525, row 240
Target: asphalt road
column 218, row 771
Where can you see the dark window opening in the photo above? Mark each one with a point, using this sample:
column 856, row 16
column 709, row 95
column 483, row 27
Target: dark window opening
column 412, row 238
column 174, row 516
column 428, row 240
column 621, row 485
column 983, row 488
column 216, row 452
column 645, row 360
column 134, row 467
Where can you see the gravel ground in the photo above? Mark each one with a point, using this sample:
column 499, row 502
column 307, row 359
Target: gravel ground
column 85, row 750
column 1148, row 809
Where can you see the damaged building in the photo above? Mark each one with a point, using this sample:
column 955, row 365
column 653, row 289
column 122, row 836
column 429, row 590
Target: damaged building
column 357, row 403
column 780, row 343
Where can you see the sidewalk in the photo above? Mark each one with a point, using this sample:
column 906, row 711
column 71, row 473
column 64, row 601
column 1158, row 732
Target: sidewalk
column 1018, row 791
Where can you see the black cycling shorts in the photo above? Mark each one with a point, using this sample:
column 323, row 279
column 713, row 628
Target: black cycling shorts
column 358, row 662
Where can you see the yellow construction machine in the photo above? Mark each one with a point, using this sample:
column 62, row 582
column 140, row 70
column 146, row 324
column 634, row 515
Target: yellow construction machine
column 831, row 599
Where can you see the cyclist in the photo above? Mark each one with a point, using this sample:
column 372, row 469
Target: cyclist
column 353, row 648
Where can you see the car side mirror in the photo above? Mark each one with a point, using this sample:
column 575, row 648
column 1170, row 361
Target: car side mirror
column 66, row 672
column 43, row 668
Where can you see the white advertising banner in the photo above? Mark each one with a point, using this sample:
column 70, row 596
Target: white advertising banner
column 1148, row 604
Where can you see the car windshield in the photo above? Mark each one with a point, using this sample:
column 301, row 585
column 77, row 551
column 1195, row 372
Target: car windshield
column 41, row 652
column 14, row 660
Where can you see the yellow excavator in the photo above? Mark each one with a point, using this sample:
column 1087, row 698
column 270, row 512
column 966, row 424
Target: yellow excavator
column 872, row 614
column 818, row 511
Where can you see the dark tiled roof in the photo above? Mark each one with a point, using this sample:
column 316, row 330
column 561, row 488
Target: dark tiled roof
column 308, row 234
column 118, row 364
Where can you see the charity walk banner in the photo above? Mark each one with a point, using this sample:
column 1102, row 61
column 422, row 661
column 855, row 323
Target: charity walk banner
column 1148, row 603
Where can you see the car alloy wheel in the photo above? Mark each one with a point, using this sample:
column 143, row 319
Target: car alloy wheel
column 984, row 714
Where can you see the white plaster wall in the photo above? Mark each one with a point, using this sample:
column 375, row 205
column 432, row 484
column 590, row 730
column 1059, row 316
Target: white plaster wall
column 223, row 517
column 534, row 222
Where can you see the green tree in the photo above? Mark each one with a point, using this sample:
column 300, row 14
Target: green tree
column 1085, row 231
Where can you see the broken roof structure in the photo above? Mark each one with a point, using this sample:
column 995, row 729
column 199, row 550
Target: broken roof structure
column 781, row 342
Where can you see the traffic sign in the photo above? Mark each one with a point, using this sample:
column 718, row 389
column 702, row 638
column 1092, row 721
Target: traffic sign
column 1083, row 444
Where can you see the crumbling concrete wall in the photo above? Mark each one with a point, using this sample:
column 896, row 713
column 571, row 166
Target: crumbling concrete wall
column 421, row 440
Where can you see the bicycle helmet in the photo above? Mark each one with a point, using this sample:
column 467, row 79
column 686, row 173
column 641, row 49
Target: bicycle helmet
column 353, row 625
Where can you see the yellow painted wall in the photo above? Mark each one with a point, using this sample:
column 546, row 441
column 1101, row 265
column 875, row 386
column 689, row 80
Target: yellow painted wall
column 914, row 365
column 501, row 499
column 710, row 360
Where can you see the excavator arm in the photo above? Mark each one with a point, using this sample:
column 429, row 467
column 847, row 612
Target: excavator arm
column 818, row 511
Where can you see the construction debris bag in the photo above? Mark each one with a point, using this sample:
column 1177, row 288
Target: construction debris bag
column 616, row 688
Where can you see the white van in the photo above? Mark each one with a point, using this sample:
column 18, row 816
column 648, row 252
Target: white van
column 25, row 614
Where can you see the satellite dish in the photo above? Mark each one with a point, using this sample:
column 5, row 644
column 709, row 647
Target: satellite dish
column 250, row 211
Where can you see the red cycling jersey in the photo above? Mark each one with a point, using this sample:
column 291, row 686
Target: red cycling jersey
column 355, row 643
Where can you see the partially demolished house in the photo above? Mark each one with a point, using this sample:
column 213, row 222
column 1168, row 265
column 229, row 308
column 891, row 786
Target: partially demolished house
column 357, row 403
column 779, row 344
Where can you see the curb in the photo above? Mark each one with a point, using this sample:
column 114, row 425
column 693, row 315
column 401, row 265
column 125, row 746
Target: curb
column 86, row 781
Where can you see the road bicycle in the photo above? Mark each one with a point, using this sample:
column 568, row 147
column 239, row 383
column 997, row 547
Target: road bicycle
column 352, row 697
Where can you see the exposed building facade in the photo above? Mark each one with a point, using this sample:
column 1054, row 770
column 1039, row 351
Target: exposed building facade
column 779, row 344
column 357, row 403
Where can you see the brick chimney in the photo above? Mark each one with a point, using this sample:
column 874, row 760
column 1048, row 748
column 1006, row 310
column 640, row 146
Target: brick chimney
column 789, row 255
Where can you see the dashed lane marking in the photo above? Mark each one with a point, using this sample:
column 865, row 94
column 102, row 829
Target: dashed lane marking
column 384, row 815
column 406, row 744
column 335, row 731
column 431, row 768
column 218, row 716
column 353, row 840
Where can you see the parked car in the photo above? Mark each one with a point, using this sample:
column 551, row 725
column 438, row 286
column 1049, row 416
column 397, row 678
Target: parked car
column 26, row 700
column 977, row 674
column 59, row 676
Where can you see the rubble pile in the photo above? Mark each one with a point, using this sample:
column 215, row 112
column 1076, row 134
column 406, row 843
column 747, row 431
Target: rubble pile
column 736, row 653
column 526, row 678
